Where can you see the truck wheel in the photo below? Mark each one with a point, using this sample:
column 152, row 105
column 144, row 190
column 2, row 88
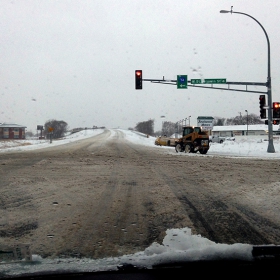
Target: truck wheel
column 188, row 148
column 203, row 152
column 221, row 141
column 168, row 143
column 178, row 148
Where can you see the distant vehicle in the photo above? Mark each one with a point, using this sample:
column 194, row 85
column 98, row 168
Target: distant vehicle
column 220, row 139
column 216, row 139
column 165, row 141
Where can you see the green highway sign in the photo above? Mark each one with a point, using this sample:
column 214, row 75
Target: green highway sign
column 208, row 81
column 215, row 81
column 182, row 81
column 195, row 81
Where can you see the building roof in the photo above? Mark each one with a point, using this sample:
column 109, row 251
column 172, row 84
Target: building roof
column 251, row 127
column 13, row 125
column 205, row 117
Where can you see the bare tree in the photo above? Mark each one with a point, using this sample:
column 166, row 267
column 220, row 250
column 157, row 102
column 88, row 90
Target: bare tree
column 254, row 119
column 29, row 134
column 146, row 127
column 219, row 121
column 58, row 128
column 169, row 128
column 238, row 120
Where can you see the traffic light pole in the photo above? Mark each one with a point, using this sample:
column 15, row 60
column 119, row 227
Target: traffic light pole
column 270, row 148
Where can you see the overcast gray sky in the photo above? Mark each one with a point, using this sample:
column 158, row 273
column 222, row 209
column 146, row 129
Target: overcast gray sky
column 74, row 60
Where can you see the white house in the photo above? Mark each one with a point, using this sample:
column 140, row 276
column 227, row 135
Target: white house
column 240, row 130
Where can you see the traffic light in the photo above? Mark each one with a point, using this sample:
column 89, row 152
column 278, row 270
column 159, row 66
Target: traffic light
column 266, row 122
column 275, row 121
column 138, row 79
column 276, row 110
column 262, row 104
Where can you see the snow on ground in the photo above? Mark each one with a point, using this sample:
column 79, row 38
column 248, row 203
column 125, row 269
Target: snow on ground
column 178, row 244
column 241, row 147
column 33, row 144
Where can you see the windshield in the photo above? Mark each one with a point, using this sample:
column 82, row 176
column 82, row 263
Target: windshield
column 88, row 87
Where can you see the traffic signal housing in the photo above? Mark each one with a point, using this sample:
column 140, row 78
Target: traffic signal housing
column 276, row 110
column 262, row 104
column 138, row 79
column 273, row 122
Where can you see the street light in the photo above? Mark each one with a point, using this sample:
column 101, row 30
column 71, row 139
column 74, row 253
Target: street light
column 163, row 117
column 247, row 121
column 240, row 117
column 182, row 124
column 270, row 148
column 177, row 123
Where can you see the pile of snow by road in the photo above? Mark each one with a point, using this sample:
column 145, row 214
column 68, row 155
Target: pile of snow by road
column 240, row 147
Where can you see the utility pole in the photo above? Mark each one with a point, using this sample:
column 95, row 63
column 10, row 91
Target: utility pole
column 247, row 121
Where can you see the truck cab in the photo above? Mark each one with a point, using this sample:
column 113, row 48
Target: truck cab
column 190, row 129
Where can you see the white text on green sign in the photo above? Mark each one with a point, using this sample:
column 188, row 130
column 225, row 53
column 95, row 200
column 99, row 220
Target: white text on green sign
column 182, row 81
column 208, row 81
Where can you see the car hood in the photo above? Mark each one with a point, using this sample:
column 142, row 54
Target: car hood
column 179, row 247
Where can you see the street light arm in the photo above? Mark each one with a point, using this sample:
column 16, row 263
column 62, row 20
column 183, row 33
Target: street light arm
column 268, row 43
column 270, row 148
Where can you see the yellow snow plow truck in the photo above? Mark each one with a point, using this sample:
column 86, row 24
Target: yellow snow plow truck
column 193, row 140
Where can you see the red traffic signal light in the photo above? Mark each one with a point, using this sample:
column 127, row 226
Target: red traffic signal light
column 262, row 104
column 138, row 79
column 276, row 110
column 276, row 105
column 275, row 121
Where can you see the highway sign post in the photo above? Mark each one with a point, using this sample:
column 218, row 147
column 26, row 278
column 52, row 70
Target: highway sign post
column 50, row 129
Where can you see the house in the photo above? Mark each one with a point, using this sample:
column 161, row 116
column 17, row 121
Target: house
column 12, row 131
column 243, row 130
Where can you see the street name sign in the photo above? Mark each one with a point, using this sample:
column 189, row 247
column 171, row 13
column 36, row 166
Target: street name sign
column 208, row 81
column 182, row 81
